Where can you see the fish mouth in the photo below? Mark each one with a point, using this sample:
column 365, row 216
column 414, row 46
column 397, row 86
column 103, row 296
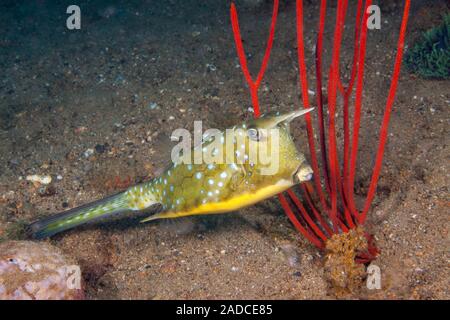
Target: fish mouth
column 304, row 173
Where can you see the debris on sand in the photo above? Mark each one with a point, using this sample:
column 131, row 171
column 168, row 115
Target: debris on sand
column 38, row 179
column 30, row 270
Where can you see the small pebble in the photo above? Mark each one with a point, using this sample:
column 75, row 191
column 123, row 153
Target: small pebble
column 211, row 67
column 80, row 130
column 100, row 148
column 47, row 191
column 89, row 152
column 153, row 105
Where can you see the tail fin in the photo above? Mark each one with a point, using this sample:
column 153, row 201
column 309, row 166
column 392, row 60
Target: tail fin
column 71, row 218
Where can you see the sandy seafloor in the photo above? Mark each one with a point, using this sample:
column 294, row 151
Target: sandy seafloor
column 134, row 73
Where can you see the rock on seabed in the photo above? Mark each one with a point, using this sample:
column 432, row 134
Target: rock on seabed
column 33, row 270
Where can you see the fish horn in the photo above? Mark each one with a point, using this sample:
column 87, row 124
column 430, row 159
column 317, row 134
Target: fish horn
column 297, row 113
column 289, row 116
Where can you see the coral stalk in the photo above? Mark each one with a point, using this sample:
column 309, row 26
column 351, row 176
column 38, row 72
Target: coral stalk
column 253, row 84
column 339, row 212
column 387, row 114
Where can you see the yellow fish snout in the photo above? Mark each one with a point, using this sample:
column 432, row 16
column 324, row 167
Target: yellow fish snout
column 304, row 173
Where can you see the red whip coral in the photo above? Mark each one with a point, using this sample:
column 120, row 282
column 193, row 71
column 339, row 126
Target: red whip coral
column 338, row 212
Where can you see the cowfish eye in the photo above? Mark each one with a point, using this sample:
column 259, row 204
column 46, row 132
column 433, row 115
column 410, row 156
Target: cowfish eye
column 253, row 134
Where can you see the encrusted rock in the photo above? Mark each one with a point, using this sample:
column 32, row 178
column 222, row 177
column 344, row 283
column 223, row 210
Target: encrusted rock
column 341, row 270
column 33, row 270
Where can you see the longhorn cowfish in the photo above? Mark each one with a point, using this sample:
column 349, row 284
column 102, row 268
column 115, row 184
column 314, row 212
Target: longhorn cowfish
column 192, row 187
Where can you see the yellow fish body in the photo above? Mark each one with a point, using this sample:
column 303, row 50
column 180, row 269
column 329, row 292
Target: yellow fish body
column 233, row 169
